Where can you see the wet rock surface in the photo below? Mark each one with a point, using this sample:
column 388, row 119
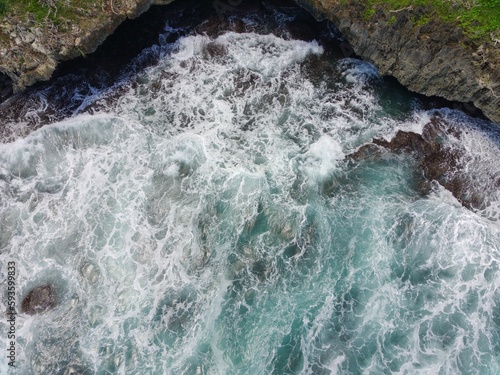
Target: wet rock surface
column 436, row 161
column 39, row 300
column 96, row 81
column 433, row 58
column 440, row 158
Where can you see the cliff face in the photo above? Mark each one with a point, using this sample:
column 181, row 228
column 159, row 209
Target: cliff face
column 30, row 48
column 432, row 59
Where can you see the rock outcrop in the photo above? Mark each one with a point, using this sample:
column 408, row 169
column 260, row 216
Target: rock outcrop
column 440, row 158
column 31, row 48
column 39, row 300
column 432, row 57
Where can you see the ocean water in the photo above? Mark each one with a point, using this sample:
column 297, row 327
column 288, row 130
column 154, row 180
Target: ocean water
column 208, row 220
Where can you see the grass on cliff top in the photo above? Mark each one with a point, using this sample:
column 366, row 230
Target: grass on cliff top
column 477, row 18
column 42, row 9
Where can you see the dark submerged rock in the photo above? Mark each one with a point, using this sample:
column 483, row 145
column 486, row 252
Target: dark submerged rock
column 39, row 300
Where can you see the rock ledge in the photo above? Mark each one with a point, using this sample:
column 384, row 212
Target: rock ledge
column 434, row 59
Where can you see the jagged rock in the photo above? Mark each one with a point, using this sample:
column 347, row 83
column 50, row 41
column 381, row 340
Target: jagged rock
column 434, row 59
column 366, row 152
column 437, row 160
column 31, row 49
column 39, row 300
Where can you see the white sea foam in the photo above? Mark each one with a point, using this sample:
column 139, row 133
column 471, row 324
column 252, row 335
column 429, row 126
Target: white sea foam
column 208, row 223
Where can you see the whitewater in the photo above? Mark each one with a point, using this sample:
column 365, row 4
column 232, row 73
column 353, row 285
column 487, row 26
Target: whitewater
column 209, row 220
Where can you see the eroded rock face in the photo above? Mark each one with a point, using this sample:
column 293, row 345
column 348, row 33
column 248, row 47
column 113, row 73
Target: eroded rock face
column 434, row 59
column 39, row 300
column 30, row 50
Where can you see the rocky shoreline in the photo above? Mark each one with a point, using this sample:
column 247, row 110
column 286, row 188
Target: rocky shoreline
column 433, row 59
column 31, row 49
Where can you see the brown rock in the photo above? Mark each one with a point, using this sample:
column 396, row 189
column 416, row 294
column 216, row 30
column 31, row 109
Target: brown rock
column 39, row 300
column 438, row 162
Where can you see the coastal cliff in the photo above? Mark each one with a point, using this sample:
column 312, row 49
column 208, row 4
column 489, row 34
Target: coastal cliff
column 425, row 53
column 36, row 36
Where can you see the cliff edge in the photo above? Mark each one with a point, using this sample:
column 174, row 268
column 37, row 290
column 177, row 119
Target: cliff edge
column 35, row 35
column 450, row 50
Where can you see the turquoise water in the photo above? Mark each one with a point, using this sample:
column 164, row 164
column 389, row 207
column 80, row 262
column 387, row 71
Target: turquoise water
column 208, row 221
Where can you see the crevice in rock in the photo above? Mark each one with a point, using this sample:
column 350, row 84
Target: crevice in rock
column 5, row 87
column 436, row 102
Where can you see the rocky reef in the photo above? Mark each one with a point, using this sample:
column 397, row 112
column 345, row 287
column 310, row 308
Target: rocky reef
column 426, row 55
column 441, row 158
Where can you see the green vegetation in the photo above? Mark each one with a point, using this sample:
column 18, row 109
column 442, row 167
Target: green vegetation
column 37, row 8
column 53, row 10
column 477, row 18
column 3, row 6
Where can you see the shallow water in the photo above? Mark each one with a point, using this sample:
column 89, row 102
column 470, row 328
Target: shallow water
column 207, row 221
